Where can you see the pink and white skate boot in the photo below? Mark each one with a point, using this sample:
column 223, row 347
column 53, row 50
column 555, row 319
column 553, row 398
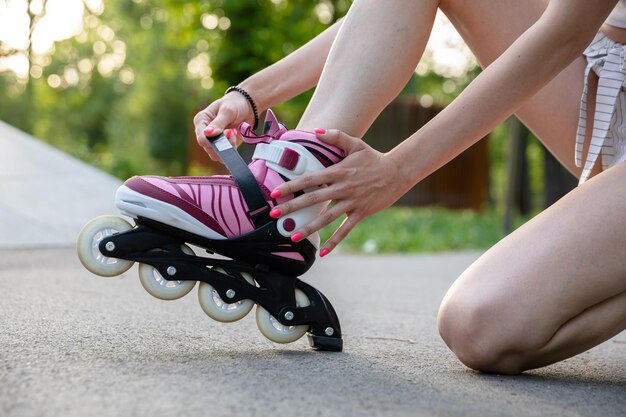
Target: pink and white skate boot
column 226, row 207
column 227, row 216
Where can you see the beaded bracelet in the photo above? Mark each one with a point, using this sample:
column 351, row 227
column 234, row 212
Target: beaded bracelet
column 249, row 98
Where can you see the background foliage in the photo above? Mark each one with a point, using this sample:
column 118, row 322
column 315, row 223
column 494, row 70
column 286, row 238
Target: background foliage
column 122, row 92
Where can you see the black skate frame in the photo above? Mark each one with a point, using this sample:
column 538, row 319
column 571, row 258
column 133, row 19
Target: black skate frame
column 257, row 253
column 160, row 246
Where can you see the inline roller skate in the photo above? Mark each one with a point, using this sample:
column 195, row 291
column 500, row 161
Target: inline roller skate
column 250, row 258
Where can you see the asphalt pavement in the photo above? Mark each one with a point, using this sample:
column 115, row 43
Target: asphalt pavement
column 73, row 344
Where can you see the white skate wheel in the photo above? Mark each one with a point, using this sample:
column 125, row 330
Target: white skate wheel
column 219, row 310
column 89, row 239
column 161, row 288
column 278, row 332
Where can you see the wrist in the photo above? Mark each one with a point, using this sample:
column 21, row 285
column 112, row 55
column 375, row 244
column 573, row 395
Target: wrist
column 258, row 89
column 408, row 165
column 243, row 92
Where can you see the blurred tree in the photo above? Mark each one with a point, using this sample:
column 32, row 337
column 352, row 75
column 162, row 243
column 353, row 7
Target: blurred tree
column 261, row 33
column 49, row 96
column 34, row 11
column 121, row 94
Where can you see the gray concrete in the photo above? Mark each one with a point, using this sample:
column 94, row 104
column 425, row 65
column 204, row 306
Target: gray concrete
column 73, row 344
column 45, row 195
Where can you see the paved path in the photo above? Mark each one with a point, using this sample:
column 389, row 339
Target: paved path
column 46, row 195
column 72, row 344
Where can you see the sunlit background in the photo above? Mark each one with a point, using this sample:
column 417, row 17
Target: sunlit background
column 63, row 19
column 116, row 83
column 446, row 53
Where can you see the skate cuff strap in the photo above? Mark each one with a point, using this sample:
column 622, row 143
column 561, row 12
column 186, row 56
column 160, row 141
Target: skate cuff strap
column 287, row 158
column 258, row 209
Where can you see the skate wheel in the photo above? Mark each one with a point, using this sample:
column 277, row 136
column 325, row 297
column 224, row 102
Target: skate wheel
column 87, row 246
column 161, row 288
column 278, row 332
column 218, row 309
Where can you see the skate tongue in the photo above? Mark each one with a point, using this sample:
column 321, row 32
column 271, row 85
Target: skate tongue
column 272, row 129
column 272, row 126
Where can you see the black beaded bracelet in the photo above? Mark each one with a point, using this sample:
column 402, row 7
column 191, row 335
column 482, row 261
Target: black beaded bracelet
column 249, row 98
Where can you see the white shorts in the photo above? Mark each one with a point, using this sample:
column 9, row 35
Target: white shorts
column 607, row 59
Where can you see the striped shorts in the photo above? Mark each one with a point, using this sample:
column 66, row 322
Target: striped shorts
column 607, row 59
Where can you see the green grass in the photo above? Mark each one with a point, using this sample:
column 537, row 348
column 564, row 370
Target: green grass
column 408, row 229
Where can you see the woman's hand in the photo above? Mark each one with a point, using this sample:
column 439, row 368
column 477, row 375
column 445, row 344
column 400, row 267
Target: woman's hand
column 226, row 113
column 364, row 183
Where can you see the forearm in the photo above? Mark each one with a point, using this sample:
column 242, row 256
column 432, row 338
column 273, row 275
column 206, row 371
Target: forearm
column 292, row 75
column 533, row 60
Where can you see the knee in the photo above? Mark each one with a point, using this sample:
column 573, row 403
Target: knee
column 473, row 330
column 449, row 6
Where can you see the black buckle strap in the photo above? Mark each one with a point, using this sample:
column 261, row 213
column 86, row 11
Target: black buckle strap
column 258, row 209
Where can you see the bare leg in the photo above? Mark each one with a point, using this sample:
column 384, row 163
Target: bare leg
column 380, row 44
column 488, row 28
column 555, row 287
column 550, row 290
column 375, row 53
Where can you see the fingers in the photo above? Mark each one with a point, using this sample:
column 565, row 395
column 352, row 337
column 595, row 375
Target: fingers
column 343, row 141
column 305, row 182
column 334, row 137
column 354, row 194
column 321, row 187
column 232, row 136
column 325, row 219
column 212, row 121
column 201, row 122
column 227, row 112
column 340, row 234
column 218, row 124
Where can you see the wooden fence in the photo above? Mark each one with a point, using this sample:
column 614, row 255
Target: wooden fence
column 462, row 183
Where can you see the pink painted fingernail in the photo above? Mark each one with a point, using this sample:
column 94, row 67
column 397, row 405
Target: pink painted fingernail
column 275, row 194
column 324, row 252
column 275, row 213
column 296, row 237
column 209, row 130
column 319, row 131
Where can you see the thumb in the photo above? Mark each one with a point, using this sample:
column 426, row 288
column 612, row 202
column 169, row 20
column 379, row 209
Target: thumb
column 217, row 125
